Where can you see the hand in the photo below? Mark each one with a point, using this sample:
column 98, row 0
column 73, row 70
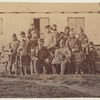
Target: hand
column 48, row 48
column 73, row 50
column 36, row 58
column 47, row 61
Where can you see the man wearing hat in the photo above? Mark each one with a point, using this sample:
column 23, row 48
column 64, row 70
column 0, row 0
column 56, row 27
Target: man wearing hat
column 67, row 30
column 56, row 33
column 23, row 36
column 40, row 58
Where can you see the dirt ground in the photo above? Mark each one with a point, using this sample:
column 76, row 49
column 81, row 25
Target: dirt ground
column 49, row 86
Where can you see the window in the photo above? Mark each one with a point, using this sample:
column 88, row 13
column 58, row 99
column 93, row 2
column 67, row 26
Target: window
column 40, row 24
column 76, row 23
column 1, row 22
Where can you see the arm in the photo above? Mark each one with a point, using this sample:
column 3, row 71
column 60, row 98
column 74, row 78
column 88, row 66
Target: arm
column 53, row 42
column 68, row 54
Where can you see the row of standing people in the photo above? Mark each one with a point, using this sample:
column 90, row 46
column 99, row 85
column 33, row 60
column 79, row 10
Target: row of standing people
column 52, row 52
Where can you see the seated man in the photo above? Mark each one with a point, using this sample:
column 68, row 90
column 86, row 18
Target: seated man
column 62, row 57
column 40, row 57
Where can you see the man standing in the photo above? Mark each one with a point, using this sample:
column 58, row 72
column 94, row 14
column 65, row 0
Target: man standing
column 55, row 32
column 32, row 43
column 23, row 36
column 49, row 39
column 13, row 46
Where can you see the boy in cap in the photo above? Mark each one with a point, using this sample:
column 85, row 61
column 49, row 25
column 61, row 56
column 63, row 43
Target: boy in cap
column 61, row 36
column 55, row 32
column 77, row 59
column 92, row 54
column 71, row 41
column 66, row 31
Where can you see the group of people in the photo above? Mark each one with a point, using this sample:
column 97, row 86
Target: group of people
column 51, row 53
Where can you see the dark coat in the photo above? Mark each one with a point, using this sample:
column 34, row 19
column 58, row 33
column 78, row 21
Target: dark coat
column 32, row 44
column 41, row 54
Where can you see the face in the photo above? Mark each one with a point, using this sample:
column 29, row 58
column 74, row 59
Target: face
column 77, row 36
column 76, row 47
column 29, row 36
column 61, row 34
column 67, row 30
column 48, row 29
column 32, row 26
column 13, row 37
column 72, row 34
column 22, row 36
column 40, row 44
column 62, row 44
column 34, row 33
column 54, row 27
column 80, row 31
column 90, row 45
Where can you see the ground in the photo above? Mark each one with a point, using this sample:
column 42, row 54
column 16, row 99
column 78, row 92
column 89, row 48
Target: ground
column 49, row 86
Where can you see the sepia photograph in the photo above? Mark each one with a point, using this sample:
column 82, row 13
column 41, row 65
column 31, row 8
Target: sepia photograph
column 49, row 50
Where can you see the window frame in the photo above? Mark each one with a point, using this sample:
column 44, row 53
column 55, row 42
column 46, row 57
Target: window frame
column 41, row 18
column 76, row 22
column 1, row 26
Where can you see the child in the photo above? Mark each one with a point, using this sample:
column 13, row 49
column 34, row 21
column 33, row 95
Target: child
column 61, row 36
column 55, row 32
column 62, row 57
column 71, row 41
column 13, row 46
column 4, row 57
column 67, row 30
column 92, row 57
column 77, row 59
column 85, row 47
column 23, row 57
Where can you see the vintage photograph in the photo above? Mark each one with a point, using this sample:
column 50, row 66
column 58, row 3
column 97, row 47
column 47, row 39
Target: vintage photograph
column 49, row 50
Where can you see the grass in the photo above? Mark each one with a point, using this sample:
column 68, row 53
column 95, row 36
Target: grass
column 46, row 86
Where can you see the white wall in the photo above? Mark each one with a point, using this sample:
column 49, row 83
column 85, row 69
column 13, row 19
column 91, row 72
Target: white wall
column 15, row 23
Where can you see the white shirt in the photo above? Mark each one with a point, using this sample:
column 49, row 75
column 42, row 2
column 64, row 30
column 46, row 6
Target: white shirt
column 49, row 40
